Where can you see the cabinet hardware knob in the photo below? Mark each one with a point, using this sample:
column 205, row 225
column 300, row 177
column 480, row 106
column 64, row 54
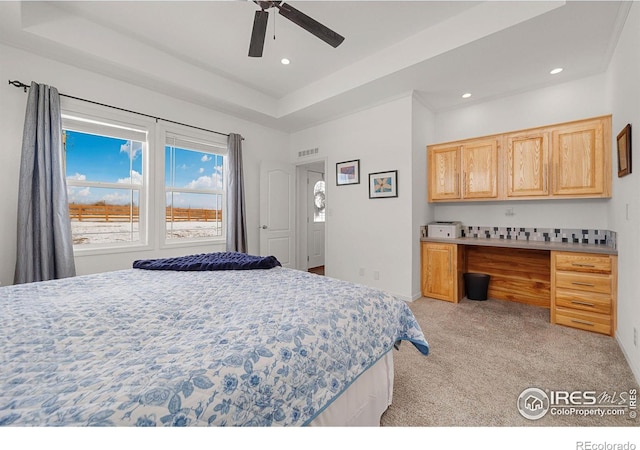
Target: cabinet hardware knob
column 580, row 283
column 582, row 265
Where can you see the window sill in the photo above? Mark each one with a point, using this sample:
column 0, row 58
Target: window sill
column 93, row 251
column 188, row 243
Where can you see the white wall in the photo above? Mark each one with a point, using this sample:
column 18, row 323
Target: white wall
column 260, row 143
column 623, row 92
column 422, row 212
column 363, row 233
column 569, row 101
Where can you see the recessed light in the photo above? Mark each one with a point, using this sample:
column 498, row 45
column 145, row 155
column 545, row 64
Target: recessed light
column 556, row 70
column 466, row 95
column 285, row 61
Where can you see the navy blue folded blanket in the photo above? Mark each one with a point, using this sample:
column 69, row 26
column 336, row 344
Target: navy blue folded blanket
column 209, row 261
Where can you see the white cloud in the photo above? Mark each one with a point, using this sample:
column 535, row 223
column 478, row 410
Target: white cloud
column 116, row 198
column 201, row 170
column 135, row 178
column 132, row 148
column 206, row 182
column 183, row 167
column 77, row 177
column 77, row 195
column 206, row 158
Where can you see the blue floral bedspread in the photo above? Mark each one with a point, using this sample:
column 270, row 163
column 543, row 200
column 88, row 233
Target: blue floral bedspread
column 154, row 348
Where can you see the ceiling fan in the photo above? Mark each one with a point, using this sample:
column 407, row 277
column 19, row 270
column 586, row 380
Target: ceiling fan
column 302, row 20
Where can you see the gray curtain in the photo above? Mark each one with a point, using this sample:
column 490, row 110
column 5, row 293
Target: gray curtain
column 45, row 247
column 236, row 211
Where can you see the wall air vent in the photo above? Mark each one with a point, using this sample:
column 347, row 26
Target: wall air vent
column 309, row 152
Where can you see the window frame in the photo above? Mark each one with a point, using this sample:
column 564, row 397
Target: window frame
column 94, row 118
column 219, row 142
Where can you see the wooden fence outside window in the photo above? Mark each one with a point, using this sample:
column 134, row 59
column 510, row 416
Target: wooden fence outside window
column 125, row 213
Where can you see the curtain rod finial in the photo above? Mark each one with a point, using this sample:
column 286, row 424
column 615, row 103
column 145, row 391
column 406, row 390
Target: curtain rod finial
column 19, row 84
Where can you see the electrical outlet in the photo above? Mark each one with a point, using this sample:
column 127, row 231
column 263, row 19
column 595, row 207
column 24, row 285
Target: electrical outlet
column 376, row 274
column 361, row 271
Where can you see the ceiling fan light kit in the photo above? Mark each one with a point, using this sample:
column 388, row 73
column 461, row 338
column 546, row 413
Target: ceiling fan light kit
column 259, row 31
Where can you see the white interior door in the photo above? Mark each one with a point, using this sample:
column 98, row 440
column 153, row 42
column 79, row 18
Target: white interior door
column 315, row 219
column 277, row 212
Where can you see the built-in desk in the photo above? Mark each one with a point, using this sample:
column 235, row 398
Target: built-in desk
column 577, row 282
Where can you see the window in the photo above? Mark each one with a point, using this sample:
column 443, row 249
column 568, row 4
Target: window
column 105, row 181
column 194, row 189
column 135, row 183
column 319, row 203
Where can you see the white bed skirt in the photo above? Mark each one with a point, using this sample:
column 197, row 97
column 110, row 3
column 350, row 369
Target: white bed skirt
column 363, row 403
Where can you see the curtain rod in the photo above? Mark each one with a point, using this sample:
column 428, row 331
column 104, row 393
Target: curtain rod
column 20, row 84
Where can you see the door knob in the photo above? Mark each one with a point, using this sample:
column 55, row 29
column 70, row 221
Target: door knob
column 264, row 227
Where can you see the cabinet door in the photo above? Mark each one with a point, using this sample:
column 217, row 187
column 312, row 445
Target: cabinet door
column 480, row 169
column 527, row 164
column 444, row 173
column 579, row 159
column 439, row 271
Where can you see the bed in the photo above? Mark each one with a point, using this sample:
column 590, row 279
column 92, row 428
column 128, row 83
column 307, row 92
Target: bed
column 266, row 347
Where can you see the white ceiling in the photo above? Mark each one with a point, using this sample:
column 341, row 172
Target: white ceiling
column 439, row 50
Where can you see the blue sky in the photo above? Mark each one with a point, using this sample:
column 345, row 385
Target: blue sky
column 104, row 159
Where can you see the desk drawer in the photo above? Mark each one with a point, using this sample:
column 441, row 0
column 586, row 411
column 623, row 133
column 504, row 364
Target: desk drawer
column 590, row 282
column 583, row 320
column 583, row 262
column 586, row 301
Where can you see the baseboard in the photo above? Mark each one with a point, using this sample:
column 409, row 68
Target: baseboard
column 634, row 368
column 411, row 299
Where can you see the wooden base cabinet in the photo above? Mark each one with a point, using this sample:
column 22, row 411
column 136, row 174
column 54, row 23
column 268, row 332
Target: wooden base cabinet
column 442, row 266
column 584, row 291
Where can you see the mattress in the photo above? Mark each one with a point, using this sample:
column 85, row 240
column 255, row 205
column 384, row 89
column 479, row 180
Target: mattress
column 272, row 347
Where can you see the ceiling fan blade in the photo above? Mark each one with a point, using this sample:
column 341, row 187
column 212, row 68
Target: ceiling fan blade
column 258, row 33
column 311, row 25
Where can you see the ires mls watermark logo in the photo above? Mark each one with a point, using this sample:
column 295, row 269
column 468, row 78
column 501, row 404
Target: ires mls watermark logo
column 534, row 403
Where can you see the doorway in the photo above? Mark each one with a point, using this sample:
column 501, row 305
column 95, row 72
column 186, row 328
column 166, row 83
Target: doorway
column 312, row 207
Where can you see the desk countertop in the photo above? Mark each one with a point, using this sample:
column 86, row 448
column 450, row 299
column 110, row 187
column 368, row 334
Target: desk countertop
column 531, row 245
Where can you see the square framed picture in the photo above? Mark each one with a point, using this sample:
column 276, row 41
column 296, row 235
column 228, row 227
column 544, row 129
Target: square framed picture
column 383, row 184
column 348, row 172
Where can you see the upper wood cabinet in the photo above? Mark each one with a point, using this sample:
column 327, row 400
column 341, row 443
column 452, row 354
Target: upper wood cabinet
column 568, row 160
column 527, row 164
column 467, row 170
column 480, row 169
column 580, row 165
column 444, row 176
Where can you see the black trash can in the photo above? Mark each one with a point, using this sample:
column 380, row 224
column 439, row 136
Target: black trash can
column 476, row 285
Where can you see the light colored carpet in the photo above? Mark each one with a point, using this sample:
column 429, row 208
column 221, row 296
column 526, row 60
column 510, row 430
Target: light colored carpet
column 485, row 353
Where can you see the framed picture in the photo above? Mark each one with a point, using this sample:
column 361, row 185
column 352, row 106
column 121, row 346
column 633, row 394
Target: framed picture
column 348, row 172
column 383, row 184
column 624, row 151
